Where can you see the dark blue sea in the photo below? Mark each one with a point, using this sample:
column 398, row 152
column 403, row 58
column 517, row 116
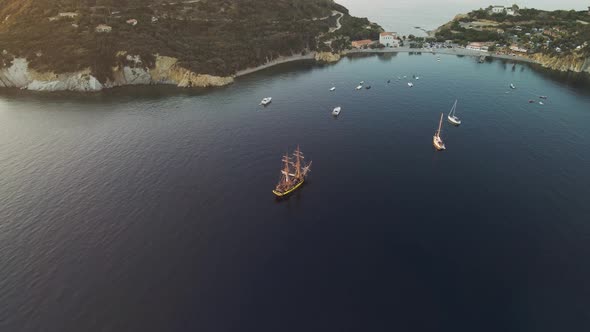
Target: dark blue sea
column 150, row 208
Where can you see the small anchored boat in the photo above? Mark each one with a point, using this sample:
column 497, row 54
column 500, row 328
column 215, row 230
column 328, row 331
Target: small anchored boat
column 359, row 87
column 362, row 82
column 410, row 84
column 266, row 101
column 512, row 86
column 543, row 97
column 438, row 143
column 368, row 87
column 336, row 111
column 541, row 103
column 333, row 88
column 452, row 117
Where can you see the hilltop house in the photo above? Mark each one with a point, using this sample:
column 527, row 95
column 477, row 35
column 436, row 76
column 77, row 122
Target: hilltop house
column 103, row 28
column 388, row 39
column 68, row 14
column 498, row 9
column 361, row 43
column 132, row 22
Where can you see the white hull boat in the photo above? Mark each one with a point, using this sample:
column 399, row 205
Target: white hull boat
column 410, row 84
column 333, row 88
column 452, row 117
column 336, row 111
column 359, row 87
column 266, row 101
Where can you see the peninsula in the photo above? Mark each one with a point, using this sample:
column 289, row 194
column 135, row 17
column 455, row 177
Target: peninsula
column 90, row 45
column 555, row 39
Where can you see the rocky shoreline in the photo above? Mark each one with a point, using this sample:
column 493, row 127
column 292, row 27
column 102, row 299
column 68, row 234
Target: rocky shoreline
column 167, row 71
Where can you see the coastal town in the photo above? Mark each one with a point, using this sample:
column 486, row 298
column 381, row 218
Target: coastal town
column 557, row 37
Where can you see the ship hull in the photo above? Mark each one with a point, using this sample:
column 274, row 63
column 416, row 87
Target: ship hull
column 284, row 194
column 438, row 144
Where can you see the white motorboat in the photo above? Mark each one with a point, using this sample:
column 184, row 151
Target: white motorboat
column 452, row 117
column 362, row 82
column 410, row 84
column 336, row 111
column 266, row 101
column 359, row 87
column 541, row 103
column 512, row 86
column 333, row 88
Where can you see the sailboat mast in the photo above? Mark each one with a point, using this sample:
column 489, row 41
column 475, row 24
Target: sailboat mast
column 439, row 125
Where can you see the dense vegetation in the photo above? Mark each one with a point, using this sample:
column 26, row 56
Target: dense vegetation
column 551, row 32
column 208, row 36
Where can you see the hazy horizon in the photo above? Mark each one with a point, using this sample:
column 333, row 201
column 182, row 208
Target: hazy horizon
column 401, row 16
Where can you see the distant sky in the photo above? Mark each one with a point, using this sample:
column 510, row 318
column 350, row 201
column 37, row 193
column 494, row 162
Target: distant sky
column 402, row 15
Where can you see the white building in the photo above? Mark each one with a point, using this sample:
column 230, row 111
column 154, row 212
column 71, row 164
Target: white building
column 477, row 47
column 68, row 14
column 498, row 9
column 132, row 22
column 388, row 39
column 103, row 28
column 510, row 12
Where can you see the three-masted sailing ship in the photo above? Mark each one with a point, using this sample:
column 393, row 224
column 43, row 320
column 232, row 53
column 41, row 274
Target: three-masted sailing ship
column 436, row 140
column 293, row 174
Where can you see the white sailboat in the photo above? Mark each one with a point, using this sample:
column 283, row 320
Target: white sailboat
column 436, row 140
column 453, row 119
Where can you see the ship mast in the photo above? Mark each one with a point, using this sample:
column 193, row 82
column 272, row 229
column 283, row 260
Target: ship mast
column 286, row 171
column 298, row 157
column 439, row 125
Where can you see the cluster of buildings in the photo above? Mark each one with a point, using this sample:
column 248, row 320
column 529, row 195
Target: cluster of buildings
column 503, row 10
column 387, row 39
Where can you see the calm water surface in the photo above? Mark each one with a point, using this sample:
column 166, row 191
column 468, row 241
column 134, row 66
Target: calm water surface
column 150, row 209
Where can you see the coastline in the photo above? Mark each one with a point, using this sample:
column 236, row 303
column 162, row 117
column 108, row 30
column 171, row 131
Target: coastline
column 277, row 61
column 447, row 51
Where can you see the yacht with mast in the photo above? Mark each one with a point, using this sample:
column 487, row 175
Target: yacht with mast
column 293, row 174
column 452, row 117
column 436, row 140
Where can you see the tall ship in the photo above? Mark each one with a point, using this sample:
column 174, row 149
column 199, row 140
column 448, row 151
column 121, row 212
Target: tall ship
column 293, row 175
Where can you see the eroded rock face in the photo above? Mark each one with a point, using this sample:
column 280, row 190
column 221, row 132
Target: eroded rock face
column 575, row 63
column 19, row 75
column 327, row 57
column 165, row 71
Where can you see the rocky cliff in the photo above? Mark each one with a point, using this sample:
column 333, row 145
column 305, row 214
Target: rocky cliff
column 573, row 62
column 327, row 57
column 165, row 71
